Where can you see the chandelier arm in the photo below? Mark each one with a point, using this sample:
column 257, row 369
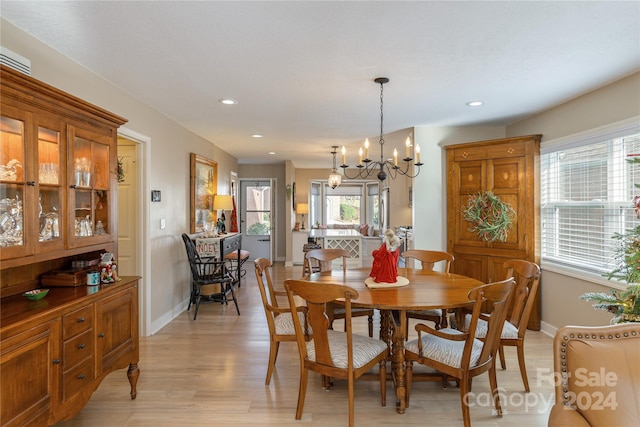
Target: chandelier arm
column 363, row 171
column 406, row 171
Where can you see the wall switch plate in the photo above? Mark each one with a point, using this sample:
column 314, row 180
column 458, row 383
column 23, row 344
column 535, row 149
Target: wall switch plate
column 163, row 223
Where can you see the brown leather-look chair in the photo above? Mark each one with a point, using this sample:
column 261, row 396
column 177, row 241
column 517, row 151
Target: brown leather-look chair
column 324, row 258
column 597, row 376
column 331, row 353
column 428, row 260
column 459, row 354
column 527, row 276
column 279, row 319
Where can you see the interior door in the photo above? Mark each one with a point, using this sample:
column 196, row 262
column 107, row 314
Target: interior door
column 257, row 222
column 127, row 209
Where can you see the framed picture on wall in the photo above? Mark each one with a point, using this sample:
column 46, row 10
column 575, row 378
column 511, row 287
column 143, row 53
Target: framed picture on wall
column 204, row 185
column 293, row 196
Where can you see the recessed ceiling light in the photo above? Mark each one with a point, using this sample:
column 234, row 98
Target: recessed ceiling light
column 272, row 152
column 474, row 103
column 228, row 101
column 256, row 135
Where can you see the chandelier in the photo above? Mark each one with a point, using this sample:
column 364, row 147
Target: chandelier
column 367, row 167
column 334, row 177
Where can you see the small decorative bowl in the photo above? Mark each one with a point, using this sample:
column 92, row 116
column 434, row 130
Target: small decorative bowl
column 36, row 294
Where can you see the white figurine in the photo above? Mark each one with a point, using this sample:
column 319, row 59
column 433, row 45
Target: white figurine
column 391, row 240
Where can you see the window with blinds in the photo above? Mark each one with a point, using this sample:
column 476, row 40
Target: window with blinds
column 587, row 187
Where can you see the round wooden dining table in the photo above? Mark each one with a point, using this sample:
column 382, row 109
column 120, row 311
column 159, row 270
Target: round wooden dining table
column 426, row 290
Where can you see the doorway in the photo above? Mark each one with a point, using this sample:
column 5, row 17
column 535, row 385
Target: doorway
column 134, row 152
column 257, row 219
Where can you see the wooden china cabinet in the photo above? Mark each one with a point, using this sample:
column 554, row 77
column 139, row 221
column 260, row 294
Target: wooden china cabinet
column 509, row 168
column 58, row 185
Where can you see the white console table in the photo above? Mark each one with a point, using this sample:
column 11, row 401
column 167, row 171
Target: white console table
column 300, row 238
column 348, row 239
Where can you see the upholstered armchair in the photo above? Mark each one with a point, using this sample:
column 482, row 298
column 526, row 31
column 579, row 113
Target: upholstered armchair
column 597, row 376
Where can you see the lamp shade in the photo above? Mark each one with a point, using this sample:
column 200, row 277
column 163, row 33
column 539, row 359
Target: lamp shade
column 302, row 208
column 222, row 202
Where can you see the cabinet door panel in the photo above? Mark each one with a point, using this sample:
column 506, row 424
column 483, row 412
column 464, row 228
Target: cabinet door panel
column 51, row 171
column 471, row 265
column 117, row 330
column 495, row 269
column 506, row 179
column 471, row 176
column 17, row 188
column 91, row 170
column 29, row 374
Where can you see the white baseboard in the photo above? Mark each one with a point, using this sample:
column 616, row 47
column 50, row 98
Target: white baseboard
column 167, row 317
column 548, row 329
column 288, row 264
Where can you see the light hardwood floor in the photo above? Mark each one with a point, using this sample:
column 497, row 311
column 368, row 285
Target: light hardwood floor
column 211, row 372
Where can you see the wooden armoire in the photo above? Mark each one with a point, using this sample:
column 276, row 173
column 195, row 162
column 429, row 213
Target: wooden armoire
column 509, row 168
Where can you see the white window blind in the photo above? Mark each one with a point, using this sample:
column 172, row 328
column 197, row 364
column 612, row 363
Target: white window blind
column 586, row 197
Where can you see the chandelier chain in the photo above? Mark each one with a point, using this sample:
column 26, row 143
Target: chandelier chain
column 381, row 121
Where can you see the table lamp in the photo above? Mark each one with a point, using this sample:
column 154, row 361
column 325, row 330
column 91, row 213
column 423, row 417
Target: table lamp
column 223, row 203
column 302, row 209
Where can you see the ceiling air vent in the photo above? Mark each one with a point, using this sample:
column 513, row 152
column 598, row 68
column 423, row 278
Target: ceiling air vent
column 15, row 61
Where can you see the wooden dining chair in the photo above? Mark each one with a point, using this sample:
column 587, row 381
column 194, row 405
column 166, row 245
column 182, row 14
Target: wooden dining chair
column 324, row 259
column 333, row 354
column 279, row 319
column 428, row 260
column 527, row 276
column 459, row 354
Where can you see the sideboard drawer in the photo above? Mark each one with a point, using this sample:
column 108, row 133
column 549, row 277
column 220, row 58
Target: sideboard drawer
column 77, row 321
column 77, row 378
column 77, row 348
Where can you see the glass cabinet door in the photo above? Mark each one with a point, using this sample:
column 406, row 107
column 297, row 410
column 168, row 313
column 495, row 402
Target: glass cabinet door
column 50, row 178
column 14, row 227
column 89, row 196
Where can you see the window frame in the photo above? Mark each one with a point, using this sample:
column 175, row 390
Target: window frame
column 317, row 206
column 598, row 135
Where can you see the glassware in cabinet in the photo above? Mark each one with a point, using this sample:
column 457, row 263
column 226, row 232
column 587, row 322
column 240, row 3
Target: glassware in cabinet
column 49, row 162
column 90, row 199
column 12, row 185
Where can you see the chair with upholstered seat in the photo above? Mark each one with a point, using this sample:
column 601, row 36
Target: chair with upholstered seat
column 324, row 258
column 279, row 319
column 333, row 354
column 527, row 276
column 236, row 260
column 459, row 354
column 428, row 260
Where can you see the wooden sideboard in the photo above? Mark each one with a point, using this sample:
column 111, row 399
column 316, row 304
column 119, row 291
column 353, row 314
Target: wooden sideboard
column 56, row 351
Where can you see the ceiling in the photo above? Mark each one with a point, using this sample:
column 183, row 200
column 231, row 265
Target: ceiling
column 302, row 72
